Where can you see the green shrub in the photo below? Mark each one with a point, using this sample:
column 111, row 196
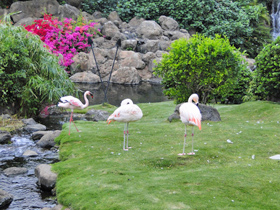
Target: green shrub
column 209, row 67
column 266, row 83
column 237, row 94
column 30, row 75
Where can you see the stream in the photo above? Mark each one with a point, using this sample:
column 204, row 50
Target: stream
column 27, row 195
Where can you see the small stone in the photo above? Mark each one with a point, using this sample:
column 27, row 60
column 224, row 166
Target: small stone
column 15, row 171
column 30, row 153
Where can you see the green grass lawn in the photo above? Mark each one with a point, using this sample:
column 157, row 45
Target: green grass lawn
column 95, row 173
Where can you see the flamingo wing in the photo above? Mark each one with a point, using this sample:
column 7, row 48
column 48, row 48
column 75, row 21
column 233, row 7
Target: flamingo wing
column 128, row 113
column 190, row 114
column 74, row 102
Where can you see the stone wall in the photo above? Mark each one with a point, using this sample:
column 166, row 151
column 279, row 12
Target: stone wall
column 142, row 42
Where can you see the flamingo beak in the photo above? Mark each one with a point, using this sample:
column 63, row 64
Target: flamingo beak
column 91, row 95
column 109, row 121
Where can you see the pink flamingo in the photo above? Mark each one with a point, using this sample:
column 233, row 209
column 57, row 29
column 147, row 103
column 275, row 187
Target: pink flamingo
column 190, row 115
column 127, row 112
column 70, row 102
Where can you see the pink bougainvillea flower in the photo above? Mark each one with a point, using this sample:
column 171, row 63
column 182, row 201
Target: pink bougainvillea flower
column 63, row 38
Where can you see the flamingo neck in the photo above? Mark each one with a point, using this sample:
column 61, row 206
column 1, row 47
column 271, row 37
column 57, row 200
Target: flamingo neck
column 86, row 100
column 190, row 99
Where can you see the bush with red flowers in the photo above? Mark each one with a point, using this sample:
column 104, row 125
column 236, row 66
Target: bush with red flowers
column 66, row 37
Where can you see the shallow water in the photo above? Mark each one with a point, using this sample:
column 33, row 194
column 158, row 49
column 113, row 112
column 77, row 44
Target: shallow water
column 143, row 93
column 24, row 188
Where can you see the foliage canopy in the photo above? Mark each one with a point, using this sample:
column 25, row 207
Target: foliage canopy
column 209, row 67
column 245, row 23
column 30, row 75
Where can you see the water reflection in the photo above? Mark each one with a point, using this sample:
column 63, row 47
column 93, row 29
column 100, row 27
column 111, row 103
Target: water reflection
column 143, row 93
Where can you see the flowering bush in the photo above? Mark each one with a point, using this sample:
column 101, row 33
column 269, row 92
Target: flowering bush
column 65, row 38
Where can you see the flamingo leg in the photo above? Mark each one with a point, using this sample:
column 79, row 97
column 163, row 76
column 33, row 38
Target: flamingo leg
column 124, row 133
column 71, row 120
column 70, row 123
column 127, row 134
column 192, row 153
column 185, row 136
column 75, row 126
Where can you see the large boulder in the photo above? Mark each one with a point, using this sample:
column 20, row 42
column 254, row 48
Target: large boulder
column 85, row 77
column 68, row 11
column 97, row 115
column 126, row 75
column 131, row 59
column 207, row 112
column 47, row 141
column 168, row 23
column 5, row 199
column 81, row 62
column 149, row 29
column 110, row 30
column 33, row 126
column 34, row 9
column 46, row 178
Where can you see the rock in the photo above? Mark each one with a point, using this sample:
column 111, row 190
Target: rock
column 29, row 121
column 25, row 21
column 97, row 115
column 36, row 127
column 138, row 36
column 135, row 22
column 126, row 75
column 129, row 45
column 30, row 153
column 168, row 23
column 81, row 62
column 39, row 134
column 68, row 11
column 149, row 29
column 34, row 9
column 85, row 77
column 5, row 137
column 15, row 171
column 6, row 116
column 46, row 178
column 207, row 113
column 131, row 59
column 47, row 141
column 109, row 30
column 5, row 198
column 114, row 16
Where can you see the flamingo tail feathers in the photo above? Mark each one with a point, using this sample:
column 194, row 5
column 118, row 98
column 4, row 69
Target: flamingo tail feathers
column 197, row 122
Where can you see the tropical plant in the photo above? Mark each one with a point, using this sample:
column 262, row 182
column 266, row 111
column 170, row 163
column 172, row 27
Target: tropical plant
column 66, row 38
column 30, row 76
column 209, row 67
column 260, row 22
column 266, row 82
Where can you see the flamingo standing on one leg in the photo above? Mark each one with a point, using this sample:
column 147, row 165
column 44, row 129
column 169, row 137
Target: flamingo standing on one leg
column 70, row 102
column 127, row 112
column 190, row 115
